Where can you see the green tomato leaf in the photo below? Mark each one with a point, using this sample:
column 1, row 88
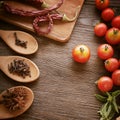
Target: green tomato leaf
column 101, row 98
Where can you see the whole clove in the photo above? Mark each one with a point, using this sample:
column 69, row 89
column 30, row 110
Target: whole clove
column 20, row 68
column 19, row 42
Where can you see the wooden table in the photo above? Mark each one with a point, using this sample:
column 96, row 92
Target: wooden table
column 65, row 89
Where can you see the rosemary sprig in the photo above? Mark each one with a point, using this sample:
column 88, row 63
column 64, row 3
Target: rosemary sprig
column 109, row 107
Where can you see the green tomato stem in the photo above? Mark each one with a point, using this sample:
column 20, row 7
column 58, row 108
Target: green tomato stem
column 115, row 31
column 102, row 1
column 81, row 49
column 106, row 47
column 107, row 62
column 44, row 5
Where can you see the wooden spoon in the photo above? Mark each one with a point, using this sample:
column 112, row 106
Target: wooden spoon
column 10, row 38
column 5, row 113
column 5, row 61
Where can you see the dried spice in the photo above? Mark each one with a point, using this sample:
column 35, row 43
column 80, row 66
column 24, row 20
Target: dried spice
column 19, row 42
column 40, row 12
column 37, row 3
column 50, row 18
column 39, row 19
column 33, row 2
column 43, row 14
column 20, row 68
column 14, row 99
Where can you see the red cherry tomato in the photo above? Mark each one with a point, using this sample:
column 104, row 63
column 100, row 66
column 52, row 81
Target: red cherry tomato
column 100, row 29
column 81, row 53
column 102, row 4
column 105, row 51
column 111, row 64
column 116, row 22
column 107, row 14
column 116, row 77
column 105, row 84
column 112, row 36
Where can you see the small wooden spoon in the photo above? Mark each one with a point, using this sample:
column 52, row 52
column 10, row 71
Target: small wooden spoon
column 10, row 38
column 7, row 60
column 5, row 113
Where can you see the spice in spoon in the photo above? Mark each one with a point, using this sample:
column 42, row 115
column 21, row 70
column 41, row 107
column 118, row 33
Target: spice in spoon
column 19, row 42
column 20, row 68
column 14, row 99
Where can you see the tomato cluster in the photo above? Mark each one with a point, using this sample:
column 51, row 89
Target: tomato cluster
column 109, row 28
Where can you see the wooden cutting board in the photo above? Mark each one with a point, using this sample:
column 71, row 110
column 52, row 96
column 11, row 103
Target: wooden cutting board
column 61, row 31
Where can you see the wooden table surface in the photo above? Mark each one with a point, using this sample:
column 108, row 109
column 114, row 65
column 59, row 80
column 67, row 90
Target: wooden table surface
column 65, row 89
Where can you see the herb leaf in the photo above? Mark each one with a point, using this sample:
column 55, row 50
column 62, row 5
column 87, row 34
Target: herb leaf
column 110, row 107
column 103, row 110
column 116, row 93
column 115, row 105
column 101, row 98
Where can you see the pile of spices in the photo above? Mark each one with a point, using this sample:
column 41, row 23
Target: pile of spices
column 14, row 99
column 19, row 42
column 20, row 68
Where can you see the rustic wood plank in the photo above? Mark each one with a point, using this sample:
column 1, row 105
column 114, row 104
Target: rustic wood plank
column 65, row 89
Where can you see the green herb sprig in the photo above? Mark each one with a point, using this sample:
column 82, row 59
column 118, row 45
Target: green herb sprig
column 110, row 107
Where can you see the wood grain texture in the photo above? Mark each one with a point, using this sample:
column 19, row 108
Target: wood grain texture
column 65, row 89
column 61, row 31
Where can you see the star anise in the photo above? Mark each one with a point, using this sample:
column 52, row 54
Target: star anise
column 14, row 99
